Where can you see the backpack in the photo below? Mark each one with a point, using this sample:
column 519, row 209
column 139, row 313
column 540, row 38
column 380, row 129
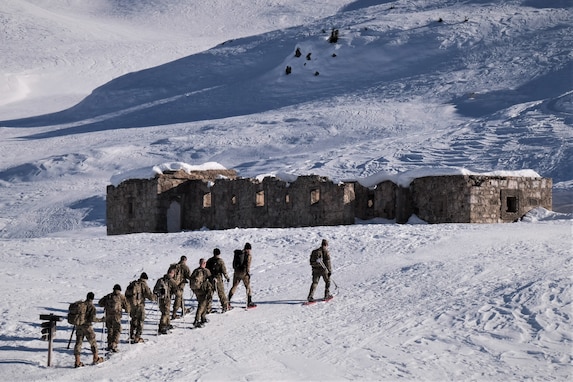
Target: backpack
column 160, row 288
column 197, row 279
column 133, row 292
column 111, row 304
column 239, row 260
column 77, row 313
column 315, row 256
column 177, row 276
column 214, row 265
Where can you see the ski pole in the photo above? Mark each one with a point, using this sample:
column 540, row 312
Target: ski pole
column 70, row 341
column 102, row 334
column 128, row 329
column 329, row 277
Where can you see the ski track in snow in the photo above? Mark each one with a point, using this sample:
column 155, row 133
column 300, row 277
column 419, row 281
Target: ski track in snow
column 410, row 303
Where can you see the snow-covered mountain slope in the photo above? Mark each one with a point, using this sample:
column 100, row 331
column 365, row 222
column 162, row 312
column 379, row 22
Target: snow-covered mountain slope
column 407, row 85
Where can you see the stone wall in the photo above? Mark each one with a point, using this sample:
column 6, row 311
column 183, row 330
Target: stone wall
column 219, row 200
column 309, row 201
column 132, row 207
column 478, row 199
column 376, row 202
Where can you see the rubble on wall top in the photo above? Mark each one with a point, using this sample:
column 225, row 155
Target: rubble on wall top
column 402, row 179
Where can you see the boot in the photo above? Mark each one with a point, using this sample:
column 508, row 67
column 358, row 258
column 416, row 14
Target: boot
column 250, row 302
column 97, row 359
column 229, row 297
column 78, row 362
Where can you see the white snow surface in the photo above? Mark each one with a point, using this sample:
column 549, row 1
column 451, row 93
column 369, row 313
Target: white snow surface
column 96, row 92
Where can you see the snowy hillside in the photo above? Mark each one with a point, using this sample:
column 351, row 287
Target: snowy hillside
column 91, row 90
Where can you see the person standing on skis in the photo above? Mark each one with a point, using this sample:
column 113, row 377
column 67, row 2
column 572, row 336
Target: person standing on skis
column 321, row 267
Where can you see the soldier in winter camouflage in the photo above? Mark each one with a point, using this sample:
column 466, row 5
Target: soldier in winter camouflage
column 218, row 270
column 86, row 330
column 321, row 267
column 202, row 284
column 136, row 294
column 182, row 273
column 164, row 288
column 114, row 304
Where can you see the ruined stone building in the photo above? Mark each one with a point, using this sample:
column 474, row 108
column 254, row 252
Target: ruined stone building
column 218, row 199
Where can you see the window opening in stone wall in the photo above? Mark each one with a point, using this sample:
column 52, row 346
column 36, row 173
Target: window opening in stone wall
column 260, row 199
column 207, row 200
column 511, row 204
column 314, row 196
column 370, row 201
column 234, row 199
column 130, row 207
column 287, row 198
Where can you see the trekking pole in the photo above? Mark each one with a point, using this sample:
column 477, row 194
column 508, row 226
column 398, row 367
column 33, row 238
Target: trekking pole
column 102, row 334
column 70, row 341
column 158, row 316
column 128, row 329
column 330, row 277
column 71, row 335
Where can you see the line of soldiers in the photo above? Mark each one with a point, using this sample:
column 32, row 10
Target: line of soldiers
column 204, row 281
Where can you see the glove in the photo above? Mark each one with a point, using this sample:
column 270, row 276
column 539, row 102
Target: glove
column 329, row 274
column 228, row 279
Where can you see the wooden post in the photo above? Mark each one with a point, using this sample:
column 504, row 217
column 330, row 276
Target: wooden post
column 49, row 331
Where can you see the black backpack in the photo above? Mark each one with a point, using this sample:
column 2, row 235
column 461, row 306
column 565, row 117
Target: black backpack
column 316, row 257
column 160, row 289
column 239, row 261
column 214, row 265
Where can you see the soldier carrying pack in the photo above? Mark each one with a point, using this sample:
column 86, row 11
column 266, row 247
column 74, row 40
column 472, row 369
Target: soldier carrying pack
column 77, row 313
column 134, row 292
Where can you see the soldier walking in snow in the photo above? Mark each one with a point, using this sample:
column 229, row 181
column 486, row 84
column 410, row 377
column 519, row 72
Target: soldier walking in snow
column 164, row 288
column 218, row 270
column 242, row 272
column 321, row 267
column 85, row 329
column 136, row 293
column 201, row 283
column 182, row 273
column 114, row 304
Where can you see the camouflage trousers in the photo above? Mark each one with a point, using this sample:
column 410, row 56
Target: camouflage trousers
column 317, row 273
column 137, row 314
column 178, row 303
column 113, row 327
column 237, row 278
column 165, row 309
column 86, row 331
column 203, row 301
column 220, row 288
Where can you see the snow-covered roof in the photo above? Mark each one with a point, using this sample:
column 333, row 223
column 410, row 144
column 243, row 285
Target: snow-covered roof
column 402, row 179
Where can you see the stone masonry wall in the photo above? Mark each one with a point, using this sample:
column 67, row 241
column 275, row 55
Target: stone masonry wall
column 477, row 198
column 443, row 199
column 219, row 200
column 132, row 207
